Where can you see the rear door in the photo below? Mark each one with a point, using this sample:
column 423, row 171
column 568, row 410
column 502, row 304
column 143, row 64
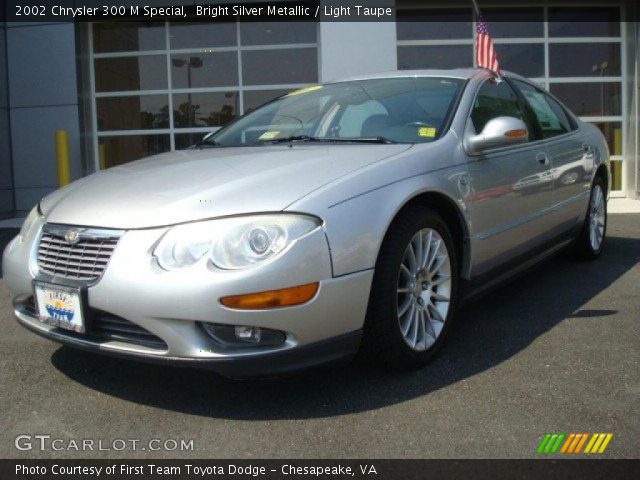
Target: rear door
column 571, row 157
column 512, row 186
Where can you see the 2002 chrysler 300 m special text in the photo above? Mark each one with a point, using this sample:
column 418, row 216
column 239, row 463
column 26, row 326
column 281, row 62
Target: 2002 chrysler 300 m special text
column 340, row 218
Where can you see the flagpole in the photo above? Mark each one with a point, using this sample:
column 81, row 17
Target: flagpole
column 475, row 33
column 477, row 9
column 475, row 6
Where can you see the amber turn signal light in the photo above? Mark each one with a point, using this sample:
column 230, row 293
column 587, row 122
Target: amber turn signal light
column 285, row 297
column 516, row 133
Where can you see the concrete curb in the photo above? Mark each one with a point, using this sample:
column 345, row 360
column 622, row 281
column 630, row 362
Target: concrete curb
column 623, row 205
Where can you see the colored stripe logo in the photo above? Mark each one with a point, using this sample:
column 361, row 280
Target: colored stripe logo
column 573, row 443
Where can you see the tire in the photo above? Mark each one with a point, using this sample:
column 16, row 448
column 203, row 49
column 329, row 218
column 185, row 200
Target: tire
column 595, row 224
column 388, row 337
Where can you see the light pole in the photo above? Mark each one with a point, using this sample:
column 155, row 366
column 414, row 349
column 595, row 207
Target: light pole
column 194, row 62
column 601, row 68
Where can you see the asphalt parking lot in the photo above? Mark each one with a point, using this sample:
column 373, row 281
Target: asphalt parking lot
column 554, row 351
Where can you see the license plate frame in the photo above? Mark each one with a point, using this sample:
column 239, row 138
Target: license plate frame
column 45, row 293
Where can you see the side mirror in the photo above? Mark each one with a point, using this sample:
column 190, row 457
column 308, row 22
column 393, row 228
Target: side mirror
column 499, row 132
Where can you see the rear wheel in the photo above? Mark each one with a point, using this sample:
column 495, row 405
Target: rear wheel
column 591, row 239
column 414, row 291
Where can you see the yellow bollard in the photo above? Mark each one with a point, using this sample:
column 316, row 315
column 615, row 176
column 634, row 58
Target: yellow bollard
column 101, row 156
column 62, row 157
column 617, row 141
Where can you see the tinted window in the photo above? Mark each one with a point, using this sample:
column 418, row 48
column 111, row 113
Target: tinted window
column 202, row 34
column 274, row 67
column 550, row 116
column 584, row 59
column 144, row 72
column 514, row 22
column 277, row 33
column 584, row 22
column 438, row 56
column 212, row 109
column 495, row 100
column 203, row 70
column 525, row 59
column 128, row 36
column 612, row 132
column 116, row 150
column 432, row 23
column 135, row 112
column 590, row 99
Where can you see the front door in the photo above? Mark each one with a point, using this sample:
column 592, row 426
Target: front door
column 512, row 187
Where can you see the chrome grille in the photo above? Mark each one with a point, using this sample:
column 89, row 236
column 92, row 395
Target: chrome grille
column 85, row 260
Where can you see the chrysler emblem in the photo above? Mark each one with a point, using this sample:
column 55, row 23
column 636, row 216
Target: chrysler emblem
column 72, row 236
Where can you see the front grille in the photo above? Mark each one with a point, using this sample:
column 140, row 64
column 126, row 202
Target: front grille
column 106, row 326
column 85, row 260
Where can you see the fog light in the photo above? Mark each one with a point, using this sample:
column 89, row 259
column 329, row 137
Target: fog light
column 230, row 336
column 249, row 334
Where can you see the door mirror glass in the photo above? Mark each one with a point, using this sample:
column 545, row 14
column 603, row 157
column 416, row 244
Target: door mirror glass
column 499, row 132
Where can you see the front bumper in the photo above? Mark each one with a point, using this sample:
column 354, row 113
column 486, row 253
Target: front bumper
column 279, row 362
column 171, row 305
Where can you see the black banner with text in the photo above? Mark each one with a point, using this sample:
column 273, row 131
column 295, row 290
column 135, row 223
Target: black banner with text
column 334, row 469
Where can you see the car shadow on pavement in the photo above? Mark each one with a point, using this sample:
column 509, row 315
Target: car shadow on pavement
column 488, row 332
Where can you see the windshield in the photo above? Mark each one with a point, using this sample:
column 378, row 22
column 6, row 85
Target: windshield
column 404, row 110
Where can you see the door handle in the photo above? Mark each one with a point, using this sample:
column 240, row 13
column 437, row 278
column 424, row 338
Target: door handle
column 542, row 158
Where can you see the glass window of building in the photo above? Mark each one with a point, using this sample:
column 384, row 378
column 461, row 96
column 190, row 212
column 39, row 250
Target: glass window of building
column 157, row 87
column 574, row 52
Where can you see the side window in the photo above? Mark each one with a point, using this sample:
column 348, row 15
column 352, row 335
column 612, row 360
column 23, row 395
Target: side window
column 495, row 100
column 549, row 114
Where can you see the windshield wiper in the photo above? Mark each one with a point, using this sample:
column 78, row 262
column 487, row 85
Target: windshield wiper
column 307, row 138
column 363, row 139
column 294, row 138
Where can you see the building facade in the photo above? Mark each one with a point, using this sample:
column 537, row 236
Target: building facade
column 127, row 90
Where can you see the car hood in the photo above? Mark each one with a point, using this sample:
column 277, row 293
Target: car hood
column 197, row 184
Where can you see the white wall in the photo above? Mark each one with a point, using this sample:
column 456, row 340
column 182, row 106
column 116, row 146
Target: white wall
column 356, row 48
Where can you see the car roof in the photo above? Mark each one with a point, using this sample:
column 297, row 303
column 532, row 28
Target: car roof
column 462, row 73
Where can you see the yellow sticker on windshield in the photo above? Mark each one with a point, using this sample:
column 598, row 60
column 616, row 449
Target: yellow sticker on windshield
column 304, row 90
column 268, row 135
column 427, row 132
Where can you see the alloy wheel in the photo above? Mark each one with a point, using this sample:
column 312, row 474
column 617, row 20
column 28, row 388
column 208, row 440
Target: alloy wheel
column 424, row 289
column 596, row 218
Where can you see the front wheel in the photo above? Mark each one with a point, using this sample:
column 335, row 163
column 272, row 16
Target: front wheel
column 414, row 291
column 591, row 239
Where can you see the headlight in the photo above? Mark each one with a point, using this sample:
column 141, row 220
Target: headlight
column 232, row 243
column 30, row 221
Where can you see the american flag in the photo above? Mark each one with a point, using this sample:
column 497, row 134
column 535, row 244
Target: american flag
column 485, row 54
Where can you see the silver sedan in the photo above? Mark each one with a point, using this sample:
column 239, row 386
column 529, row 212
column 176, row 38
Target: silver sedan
column 351, row 217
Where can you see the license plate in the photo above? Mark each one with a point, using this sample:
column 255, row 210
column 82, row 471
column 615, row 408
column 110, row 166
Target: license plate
column 59, row 306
